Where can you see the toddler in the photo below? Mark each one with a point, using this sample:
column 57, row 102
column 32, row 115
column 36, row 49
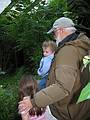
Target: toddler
column 49, row 48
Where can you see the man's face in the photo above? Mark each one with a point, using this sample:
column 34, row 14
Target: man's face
column 47, row 51
column 57, row 34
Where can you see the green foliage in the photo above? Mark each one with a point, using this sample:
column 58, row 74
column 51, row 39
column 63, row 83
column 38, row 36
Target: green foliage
column 7, row 43
column 7, row 105
column 9, row 96
column 81, row 9
column 85, row 93
column 27, row 28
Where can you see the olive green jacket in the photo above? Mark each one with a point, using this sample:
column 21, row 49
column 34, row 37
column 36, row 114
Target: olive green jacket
column 64, row 86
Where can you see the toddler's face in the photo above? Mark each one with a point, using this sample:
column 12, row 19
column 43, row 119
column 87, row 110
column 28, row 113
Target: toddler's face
column 47, row 51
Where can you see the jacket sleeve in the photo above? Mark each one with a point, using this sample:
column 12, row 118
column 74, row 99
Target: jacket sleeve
column 66, row 74
column 45, row 64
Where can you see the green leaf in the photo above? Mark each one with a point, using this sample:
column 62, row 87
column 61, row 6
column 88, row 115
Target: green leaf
column 85, row 93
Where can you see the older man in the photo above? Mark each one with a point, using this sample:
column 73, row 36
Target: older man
column 63, row 85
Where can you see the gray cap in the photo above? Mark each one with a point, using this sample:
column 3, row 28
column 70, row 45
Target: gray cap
column 62, row 22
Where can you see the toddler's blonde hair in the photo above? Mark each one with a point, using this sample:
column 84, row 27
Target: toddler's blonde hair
column 50, row 44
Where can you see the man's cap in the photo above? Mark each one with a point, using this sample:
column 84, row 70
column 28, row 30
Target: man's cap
column 62, row 22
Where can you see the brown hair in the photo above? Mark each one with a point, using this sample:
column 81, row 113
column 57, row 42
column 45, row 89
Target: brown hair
column 50, row 44
column 28, row 87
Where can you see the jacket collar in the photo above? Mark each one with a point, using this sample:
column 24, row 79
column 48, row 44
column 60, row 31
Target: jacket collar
column 69, row 38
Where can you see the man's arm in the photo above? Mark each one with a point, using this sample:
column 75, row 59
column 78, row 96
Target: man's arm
column 66, row 74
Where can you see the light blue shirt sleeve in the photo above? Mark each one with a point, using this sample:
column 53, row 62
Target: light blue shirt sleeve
column 45, row 64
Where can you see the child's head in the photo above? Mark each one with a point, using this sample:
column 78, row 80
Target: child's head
column 28, row 87
column 49, row 47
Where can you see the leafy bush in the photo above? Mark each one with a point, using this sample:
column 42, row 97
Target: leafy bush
column 9, row 96
column 8, row 107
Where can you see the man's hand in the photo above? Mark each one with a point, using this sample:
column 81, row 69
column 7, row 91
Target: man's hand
column 25, row 105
